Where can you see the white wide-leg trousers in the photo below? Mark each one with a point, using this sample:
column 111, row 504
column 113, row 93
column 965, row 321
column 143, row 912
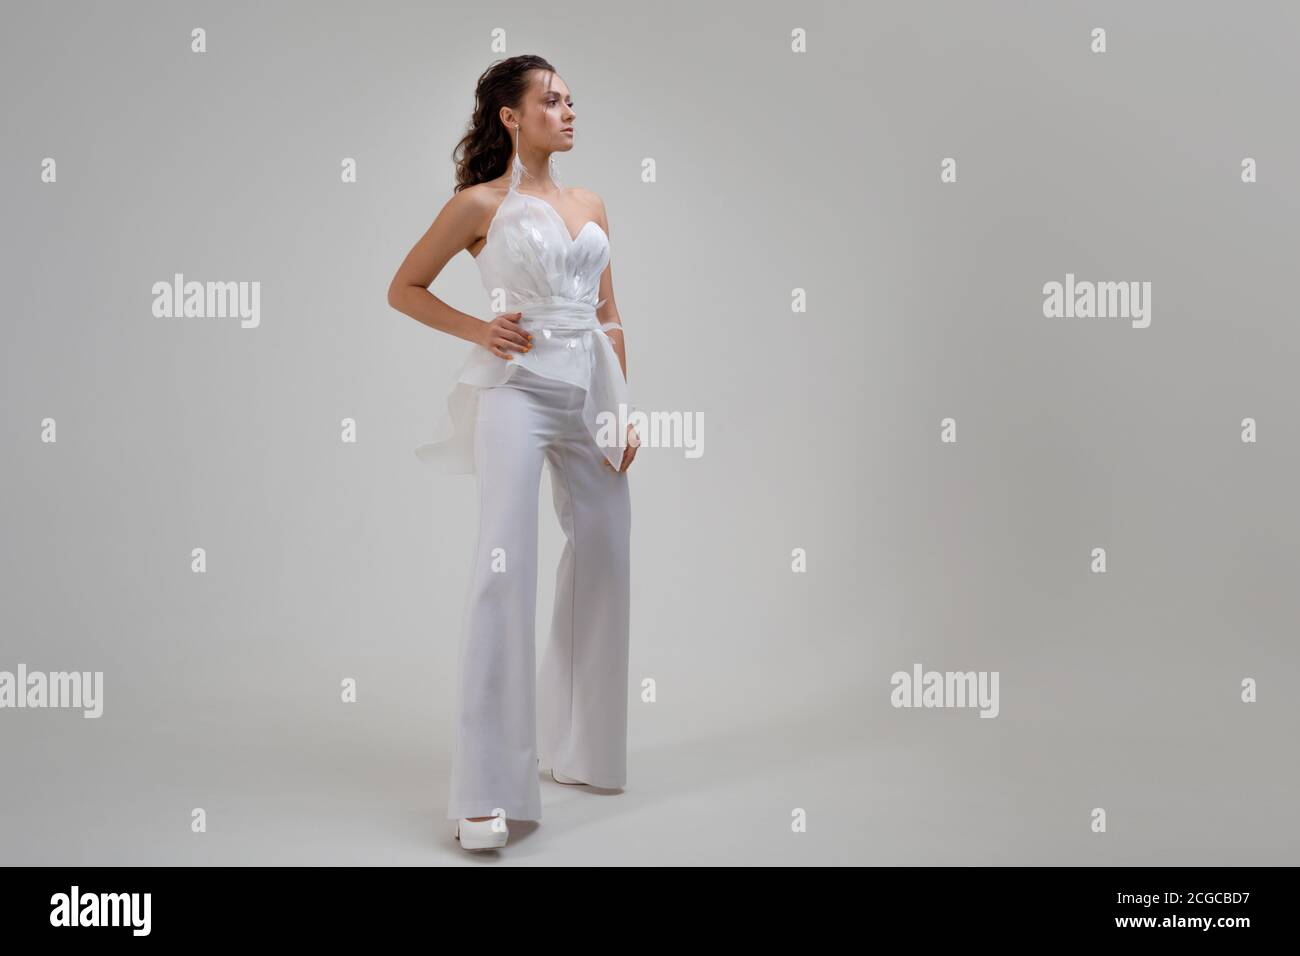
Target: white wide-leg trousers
column 581, row 723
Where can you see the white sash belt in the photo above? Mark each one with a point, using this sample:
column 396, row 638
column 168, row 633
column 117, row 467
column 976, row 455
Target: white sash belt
column 451, row 448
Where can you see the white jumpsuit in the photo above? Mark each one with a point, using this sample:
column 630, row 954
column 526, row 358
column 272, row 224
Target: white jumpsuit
column 565, row 402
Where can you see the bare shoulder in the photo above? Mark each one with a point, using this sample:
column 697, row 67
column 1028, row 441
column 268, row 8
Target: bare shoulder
column 472, row 209
column 590, row 201
column 480, row 199
column 588, row 197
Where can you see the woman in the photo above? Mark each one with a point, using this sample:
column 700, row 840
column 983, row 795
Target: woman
column 545, row 380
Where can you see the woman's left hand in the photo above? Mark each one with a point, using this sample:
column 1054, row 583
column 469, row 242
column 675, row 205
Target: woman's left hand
column 633, row 441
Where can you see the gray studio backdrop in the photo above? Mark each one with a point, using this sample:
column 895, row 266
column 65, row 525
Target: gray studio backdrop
column 1145, row 713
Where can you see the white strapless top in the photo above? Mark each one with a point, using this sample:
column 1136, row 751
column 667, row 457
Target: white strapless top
column 530, row 263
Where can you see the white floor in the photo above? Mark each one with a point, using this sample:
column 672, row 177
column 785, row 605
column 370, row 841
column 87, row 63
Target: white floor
column 878, row 787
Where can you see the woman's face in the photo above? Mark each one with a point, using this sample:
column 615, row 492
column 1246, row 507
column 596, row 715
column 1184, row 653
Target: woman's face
column 547, row 120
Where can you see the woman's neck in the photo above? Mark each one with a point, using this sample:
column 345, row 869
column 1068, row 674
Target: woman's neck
column 540, row 181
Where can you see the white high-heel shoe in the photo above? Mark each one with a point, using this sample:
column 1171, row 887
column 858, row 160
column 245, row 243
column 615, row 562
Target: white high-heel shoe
column 482, row 834
column 561, row 778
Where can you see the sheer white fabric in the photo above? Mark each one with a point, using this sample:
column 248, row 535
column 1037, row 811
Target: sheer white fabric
column 536, row 267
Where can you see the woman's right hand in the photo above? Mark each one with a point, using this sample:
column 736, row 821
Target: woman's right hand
column 503, row 334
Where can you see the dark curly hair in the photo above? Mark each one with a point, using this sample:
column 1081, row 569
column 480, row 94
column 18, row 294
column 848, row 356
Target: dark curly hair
column 484, row 151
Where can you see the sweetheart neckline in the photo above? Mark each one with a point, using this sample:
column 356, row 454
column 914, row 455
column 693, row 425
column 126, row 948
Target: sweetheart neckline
column 564, row 227
column 560, row 219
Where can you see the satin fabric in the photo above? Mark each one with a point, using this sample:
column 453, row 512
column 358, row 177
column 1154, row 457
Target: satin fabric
column 581, row 690
column 530, row 263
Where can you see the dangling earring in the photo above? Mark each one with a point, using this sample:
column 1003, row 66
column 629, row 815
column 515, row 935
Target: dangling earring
column 519, row 136
column 518, row 161
column 555, row 178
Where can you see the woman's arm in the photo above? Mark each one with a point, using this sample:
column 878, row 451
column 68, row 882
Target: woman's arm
column 608, row 311
column 457, row 227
